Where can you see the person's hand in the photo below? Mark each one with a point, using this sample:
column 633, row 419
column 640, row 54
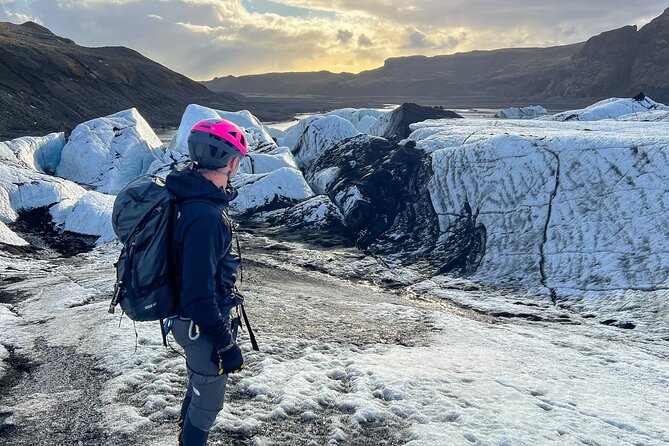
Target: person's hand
column 228, row 359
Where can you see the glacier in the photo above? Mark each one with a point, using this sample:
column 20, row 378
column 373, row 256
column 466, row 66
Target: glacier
column 611, row 108
column 107, row 153
column 529, row 112
column 570, row 206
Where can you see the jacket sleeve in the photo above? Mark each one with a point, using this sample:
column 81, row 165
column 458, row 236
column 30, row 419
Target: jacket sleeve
column 203, row 240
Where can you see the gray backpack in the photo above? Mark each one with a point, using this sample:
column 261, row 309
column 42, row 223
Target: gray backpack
column 143, row 220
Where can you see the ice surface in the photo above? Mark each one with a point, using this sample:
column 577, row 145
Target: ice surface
column 361, row 366
column 275, row 189
column 107, row 153
column 9, row 237
column 23, row 189
column 322, row 180
column 90, row 215
column 38, row 153
column 381, row 125
column 268, row 162
column 320, row 134
column 609, row 109
column 529, row 112
column 654, row 115
column 72, row 207
column 571, row 206
column 361, row 118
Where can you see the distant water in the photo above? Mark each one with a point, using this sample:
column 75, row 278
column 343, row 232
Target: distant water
column 165, row 134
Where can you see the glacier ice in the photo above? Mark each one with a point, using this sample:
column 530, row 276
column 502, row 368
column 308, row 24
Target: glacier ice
column 275, row 189
column 361, row 118
column 611, row 108
column 571, row 206
column 89, row 215
column 107, row 153
column 319, row 135
column 268, row 162
column 72, row 207
column 529, row 112
column 39, row 153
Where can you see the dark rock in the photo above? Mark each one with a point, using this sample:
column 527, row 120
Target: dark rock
column 601, row 68
column 650, row 71
column 381, row 189
column 619, row 63
column 409, row 113
column 619, row 324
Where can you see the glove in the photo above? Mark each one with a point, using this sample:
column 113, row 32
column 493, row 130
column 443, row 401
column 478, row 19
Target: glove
column 228, row 359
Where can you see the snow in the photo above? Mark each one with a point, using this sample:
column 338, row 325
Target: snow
column 574, row 207
column 23, row 189
column 322, row 180
column 609, row 109
column 381, row 125
column 90, row 215
column 72, row 207
column 38, row 153
column 529, row 112
column 362, row 366
column 653, row 115
column 277, row 188
column 257, row 134
column 107, row 153
column 9, row 237
column 320, row 134
column 268, row 162
column 362, row 119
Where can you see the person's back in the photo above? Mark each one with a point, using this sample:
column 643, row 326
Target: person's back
column 206, row 266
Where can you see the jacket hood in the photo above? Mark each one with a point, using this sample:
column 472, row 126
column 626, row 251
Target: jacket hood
column 188, row 183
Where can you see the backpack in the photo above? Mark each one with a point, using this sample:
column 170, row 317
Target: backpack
column 143, row 218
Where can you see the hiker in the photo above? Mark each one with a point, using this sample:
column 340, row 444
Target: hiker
column 206, row 272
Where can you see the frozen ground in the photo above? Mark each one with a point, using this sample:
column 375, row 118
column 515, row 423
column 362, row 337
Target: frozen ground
column 343, row 360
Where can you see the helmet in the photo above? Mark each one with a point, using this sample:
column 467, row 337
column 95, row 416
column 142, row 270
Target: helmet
column 212, row 143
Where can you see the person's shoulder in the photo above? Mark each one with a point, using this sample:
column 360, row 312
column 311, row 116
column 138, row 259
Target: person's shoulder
column 200, row 211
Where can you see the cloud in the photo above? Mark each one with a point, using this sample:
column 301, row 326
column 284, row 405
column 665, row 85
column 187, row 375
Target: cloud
column 207, row 38
column 418, row 40
column 364, row 41
column 344, row 35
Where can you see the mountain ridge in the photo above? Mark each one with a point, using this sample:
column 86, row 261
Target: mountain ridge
column 621, row 62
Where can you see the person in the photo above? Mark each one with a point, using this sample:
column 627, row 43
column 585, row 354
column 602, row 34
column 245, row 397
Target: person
column 205, row 267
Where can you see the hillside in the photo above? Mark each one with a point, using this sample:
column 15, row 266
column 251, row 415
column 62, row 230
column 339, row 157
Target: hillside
column 49, row 83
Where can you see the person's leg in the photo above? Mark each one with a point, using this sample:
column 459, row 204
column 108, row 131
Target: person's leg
column 206, row 388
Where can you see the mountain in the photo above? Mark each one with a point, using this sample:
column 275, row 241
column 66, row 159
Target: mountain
column 620, row 62
column 49, row 83
column 462, row 74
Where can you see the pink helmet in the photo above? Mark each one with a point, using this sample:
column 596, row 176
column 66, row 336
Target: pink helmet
column 213, row 142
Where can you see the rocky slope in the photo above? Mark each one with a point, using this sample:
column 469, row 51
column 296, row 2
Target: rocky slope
column 49, row 83
column 621, row 62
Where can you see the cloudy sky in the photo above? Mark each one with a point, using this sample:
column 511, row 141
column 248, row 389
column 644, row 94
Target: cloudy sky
column 207, row 38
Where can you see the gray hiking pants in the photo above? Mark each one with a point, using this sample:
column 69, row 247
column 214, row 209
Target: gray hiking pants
column 206, row 388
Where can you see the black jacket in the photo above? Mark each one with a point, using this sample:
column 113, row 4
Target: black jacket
column 205, row 258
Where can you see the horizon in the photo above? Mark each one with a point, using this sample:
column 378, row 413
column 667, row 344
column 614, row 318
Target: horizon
column 204, row 39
